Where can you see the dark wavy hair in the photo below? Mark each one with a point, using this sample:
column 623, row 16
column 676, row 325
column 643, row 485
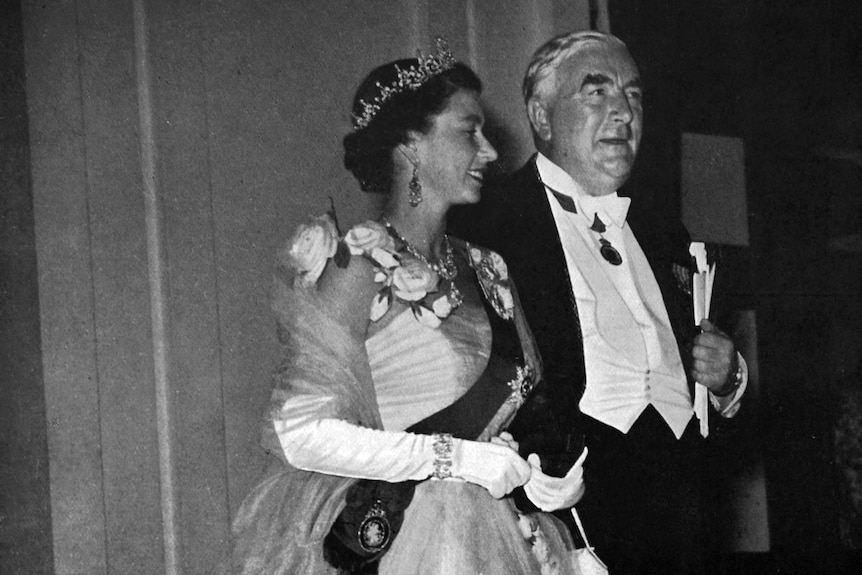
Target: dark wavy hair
column 368, row 151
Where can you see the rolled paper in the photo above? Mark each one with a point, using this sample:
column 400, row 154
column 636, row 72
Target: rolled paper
column 701, row 294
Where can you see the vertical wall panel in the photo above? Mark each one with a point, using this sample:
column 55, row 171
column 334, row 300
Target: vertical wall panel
column 65, row 287
column 25, row 504
column 249, row 159
column 176, row 34
column 121, row 292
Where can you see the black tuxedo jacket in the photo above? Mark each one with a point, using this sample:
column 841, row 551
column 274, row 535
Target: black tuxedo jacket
column 515, row 220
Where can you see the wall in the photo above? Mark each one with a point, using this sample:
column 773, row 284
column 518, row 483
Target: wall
column 25, row 513
column 174, row 147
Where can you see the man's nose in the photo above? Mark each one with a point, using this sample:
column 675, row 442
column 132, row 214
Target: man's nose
column 620, row 109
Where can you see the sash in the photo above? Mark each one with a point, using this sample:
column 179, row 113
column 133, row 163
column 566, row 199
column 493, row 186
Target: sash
column 374, row 510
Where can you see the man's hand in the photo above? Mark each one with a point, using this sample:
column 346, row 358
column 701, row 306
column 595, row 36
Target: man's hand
column 714, row 356
column 552, row 493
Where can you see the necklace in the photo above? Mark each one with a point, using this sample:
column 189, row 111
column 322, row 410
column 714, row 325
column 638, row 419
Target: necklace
column 445, row 268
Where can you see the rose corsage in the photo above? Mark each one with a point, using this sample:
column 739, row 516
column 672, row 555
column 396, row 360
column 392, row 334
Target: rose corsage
column 402, row 276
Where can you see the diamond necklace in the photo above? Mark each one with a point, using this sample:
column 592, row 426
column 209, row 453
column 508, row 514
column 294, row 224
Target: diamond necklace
column 445, row 268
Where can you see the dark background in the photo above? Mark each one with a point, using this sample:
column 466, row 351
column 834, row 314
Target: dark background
column 786, row 77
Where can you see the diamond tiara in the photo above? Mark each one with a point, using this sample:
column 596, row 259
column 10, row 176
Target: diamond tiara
column 410, row 79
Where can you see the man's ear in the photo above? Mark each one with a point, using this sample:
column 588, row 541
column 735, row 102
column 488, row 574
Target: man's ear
column 538, row 116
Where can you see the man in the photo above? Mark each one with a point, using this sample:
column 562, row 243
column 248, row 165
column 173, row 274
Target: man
column 608, row 304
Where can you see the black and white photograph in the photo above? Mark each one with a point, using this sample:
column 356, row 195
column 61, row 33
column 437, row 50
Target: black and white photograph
column 430, row 287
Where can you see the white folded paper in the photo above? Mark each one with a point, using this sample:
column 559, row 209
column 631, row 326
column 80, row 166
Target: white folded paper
column 701, row 293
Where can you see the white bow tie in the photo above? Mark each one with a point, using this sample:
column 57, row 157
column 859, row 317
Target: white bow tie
column 610, row 208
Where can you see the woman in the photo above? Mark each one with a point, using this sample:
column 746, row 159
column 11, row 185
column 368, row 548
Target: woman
column 406, row 357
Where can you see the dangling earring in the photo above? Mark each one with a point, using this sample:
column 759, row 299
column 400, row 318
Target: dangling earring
column 415, row 197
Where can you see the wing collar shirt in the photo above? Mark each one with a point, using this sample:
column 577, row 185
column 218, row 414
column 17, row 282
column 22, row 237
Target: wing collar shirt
column 630, row 353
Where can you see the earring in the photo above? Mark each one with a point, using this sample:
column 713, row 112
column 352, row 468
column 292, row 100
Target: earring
column 415, row 197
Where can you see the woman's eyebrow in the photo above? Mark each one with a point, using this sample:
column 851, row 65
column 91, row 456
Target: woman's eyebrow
column 472, row 119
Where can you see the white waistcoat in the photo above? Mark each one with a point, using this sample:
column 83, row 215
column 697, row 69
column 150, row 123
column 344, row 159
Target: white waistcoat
column 630, row 353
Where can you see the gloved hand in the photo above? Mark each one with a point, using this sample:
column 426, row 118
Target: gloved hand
column 495, row 466
column 505, row 438
column 550, row 493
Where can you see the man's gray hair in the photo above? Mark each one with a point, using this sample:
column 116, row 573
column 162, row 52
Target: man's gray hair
column 541, row 77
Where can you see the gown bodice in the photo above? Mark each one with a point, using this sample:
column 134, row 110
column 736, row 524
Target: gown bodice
column 419, row 370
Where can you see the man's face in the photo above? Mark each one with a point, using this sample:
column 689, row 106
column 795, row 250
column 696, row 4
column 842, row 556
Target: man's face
column 593, row 123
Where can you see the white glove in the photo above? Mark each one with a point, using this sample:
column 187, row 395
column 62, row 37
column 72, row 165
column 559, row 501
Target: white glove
column 505, row 438
column 496, row 467
column 551, row 493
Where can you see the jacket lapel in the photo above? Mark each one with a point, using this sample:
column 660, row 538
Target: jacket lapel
column 546, row 280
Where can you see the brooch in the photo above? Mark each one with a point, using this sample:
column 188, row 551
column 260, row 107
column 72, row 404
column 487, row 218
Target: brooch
column 521, row 385
column 374, row 531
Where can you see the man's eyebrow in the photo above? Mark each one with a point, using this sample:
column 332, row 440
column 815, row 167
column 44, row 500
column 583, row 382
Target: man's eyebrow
column 599, row 79
column 595, row 79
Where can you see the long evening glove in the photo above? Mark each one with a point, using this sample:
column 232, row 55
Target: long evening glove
column 337, row 447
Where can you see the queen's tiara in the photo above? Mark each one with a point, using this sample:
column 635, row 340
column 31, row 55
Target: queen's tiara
column 410, row 79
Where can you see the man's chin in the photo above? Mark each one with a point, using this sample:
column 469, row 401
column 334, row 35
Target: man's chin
column 611, row 181
column 618, row 168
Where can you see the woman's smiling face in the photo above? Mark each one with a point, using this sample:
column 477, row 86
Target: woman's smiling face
column 454, row 154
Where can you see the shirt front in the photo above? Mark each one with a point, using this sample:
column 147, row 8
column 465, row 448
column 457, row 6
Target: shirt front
column 630, row 353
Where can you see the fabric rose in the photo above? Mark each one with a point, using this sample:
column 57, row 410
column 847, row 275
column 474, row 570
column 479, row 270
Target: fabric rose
column 476, row 256
column 311, row 246
column 413, row 279
column 368, row 236
column 504, row 296
column 442, row 307
column 499, row 266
